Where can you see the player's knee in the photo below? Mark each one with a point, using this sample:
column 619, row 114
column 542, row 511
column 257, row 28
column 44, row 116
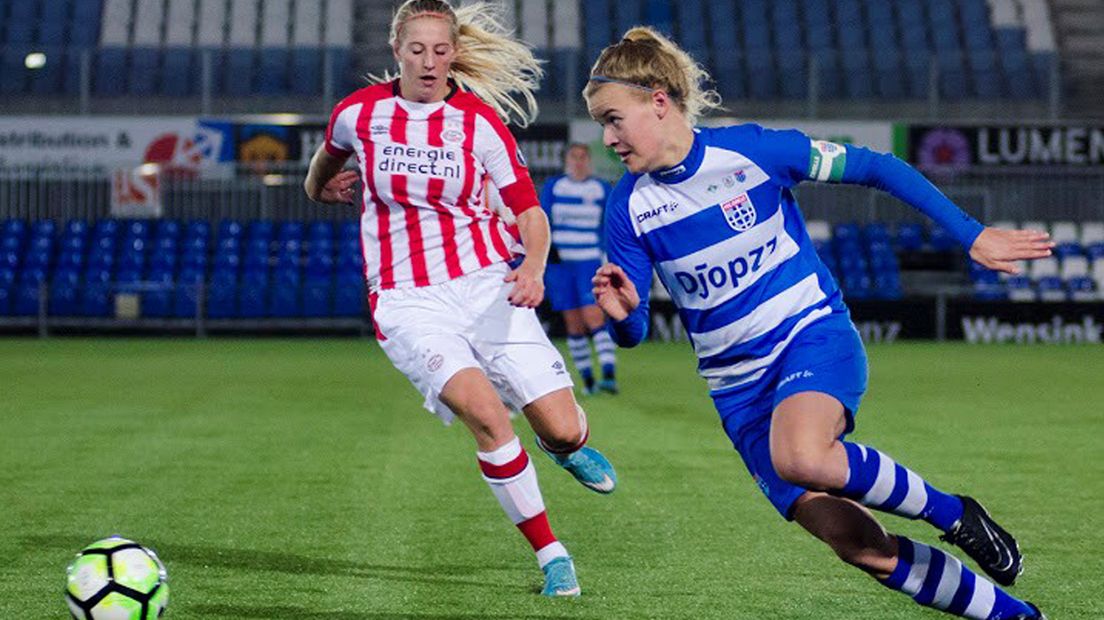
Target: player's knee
column 801, row 467
column 563, row 438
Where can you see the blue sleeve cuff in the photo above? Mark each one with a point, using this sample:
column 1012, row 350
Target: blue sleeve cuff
column 633, row 330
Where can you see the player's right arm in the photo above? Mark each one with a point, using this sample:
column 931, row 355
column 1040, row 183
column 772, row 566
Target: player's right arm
column 325, row 180
column 622, row 286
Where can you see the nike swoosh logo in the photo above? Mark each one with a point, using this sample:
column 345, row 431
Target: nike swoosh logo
column 1005, row 559
column 605, row 486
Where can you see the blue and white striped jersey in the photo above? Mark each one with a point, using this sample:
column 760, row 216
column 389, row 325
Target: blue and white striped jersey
column 723, row 231
column 574, row 211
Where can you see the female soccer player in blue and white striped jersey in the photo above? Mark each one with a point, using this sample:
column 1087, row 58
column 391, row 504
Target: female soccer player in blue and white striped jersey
column 712, row 210
column 574, row 202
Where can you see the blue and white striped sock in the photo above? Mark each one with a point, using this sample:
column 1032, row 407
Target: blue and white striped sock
column 876, row 481
column 579, row 346
column 603, row 344
column 937, row 579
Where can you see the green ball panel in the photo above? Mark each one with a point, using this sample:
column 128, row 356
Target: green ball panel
column 159, row 602
column 87, row 575
column 117, row 606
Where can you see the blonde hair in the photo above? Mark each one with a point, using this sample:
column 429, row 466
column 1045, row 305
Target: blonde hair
column 489, row 61
column 649, row 60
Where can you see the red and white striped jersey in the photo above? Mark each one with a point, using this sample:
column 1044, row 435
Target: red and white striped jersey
column 424, row 168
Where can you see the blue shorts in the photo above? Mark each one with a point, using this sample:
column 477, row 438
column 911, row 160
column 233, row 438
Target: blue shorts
column 568, row 284
column 828, row 357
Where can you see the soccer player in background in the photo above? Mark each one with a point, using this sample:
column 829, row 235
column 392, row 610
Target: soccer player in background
column 713, row 211
column 451, row 299
column 574, row 202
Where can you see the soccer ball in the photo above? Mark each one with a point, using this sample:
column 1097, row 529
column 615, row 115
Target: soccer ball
column 116, row 579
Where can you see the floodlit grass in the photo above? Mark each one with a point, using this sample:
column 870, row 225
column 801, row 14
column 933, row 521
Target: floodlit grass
column 301, row 479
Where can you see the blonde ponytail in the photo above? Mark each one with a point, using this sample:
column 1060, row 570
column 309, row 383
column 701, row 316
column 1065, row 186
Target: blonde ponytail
column 489, row 62
column 647, row 59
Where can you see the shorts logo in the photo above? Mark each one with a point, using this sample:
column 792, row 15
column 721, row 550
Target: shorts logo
column 558, row 367
column 434, row 363
column 801, row 374
column 739, row 213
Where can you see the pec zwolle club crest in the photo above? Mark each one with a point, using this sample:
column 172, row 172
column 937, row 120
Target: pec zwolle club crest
column 739, row 213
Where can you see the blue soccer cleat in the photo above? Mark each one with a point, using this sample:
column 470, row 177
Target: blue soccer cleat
column 559, row 578
column 589, row 467
column 608, row 385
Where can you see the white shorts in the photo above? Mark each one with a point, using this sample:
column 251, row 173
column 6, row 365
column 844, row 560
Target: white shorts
column 432, row 332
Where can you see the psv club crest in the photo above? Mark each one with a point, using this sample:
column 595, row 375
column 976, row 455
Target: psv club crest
column 739, row 213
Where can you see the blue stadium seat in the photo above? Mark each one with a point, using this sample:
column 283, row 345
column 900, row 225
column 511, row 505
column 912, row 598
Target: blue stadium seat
column 941, row 240
column 157, row 303
column 318, row 297
column 64, row 289
column 1051, row 288
column 186, row 293
column 252, row 292
column 179, row 73
column 306, row 71
column 349, row 295
column 145, row 71
column 1081, row 289
column 222, row 294
column 95, row 297
column 110, row 72
column 272, row 75
column 238, row 75
column 626, row 14
column 229, row 228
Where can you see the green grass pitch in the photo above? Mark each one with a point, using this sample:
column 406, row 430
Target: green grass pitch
column 301, row 479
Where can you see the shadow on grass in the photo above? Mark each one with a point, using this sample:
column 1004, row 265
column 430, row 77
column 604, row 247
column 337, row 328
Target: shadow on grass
column 299, row 613
column 252, row 560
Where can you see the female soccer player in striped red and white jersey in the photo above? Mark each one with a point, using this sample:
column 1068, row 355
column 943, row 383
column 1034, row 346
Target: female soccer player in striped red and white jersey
column 452, row 290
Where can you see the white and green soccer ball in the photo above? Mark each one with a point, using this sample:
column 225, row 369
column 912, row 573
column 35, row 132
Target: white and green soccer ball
column 116, row 579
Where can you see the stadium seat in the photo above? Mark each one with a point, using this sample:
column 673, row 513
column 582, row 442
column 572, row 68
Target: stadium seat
column 1051, row 288
column 1020, row 289
column 1044, row 268
column 64, row 288
column 1082, row 289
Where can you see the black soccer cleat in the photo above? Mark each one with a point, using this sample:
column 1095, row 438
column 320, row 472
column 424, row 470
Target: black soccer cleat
column 994, row 549
column 1038, row 615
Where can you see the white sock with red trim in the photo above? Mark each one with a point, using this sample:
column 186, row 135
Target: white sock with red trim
column 513, row 480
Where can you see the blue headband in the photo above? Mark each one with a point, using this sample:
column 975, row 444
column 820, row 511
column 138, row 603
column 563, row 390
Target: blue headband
column 601, row 79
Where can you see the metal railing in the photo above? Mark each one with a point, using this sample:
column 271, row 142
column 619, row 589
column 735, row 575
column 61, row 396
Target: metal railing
column 274, row 191
column 769, row 84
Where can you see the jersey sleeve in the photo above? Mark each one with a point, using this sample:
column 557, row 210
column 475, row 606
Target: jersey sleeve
column 889, row 174
column 338, row 142
column 624, row 249
column 782, row 154
column 502, row 158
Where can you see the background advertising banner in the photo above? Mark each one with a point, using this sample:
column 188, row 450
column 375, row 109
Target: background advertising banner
column 942, row 147
column 101, row 144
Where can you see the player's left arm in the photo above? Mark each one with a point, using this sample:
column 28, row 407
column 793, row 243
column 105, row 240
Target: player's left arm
column 505, row 164
column 528, row 278
column 993, row 248
column 828, row 162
